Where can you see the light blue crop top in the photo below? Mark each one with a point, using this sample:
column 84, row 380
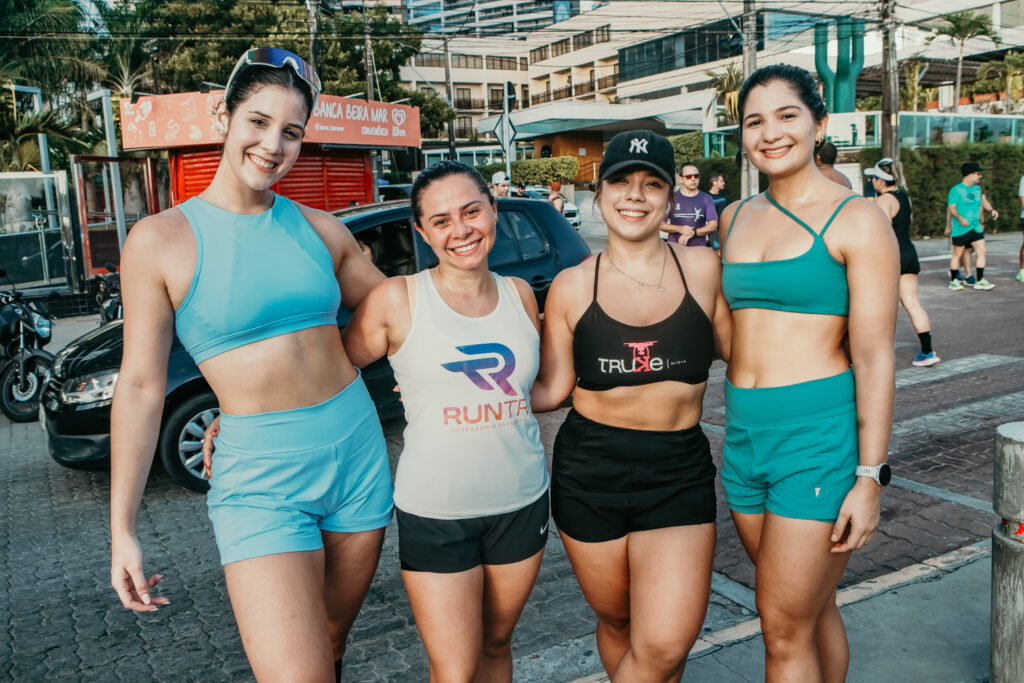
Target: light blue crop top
column 813, row 282
column 257, row 276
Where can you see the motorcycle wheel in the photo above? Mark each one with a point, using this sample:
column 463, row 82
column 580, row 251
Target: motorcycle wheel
column 19, row 400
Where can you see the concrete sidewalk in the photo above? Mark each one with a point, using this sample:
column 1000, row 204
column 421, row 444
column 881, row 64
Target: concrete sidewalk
column 926, row 622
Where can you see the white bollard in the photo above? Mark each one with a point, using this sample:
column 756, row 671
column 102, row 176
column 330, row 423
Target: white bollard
column 1008, row 556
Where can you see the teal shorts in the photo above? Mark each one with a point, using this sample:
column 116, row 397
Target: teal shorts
column 791, row 450
column 281, row 478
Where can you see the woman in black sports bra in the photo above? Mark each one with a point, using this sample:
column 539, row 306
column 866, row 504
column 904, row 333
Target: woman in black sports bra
column 631, row 334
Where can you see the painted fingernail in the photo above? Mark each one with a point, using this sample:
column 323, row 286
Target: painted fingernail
column 145, row 598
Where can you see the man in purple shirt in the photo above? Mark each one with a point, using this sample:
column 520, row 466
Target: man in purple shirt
column 692, row 216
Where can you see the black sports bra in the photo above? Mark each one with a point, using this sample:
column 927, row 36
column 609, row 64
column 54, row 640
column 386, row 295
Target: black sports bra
column 608, row 353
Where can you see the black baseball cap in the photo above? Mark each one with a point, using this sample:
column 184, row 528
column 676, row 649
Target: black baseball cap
column 969, row 168
column 639, row 148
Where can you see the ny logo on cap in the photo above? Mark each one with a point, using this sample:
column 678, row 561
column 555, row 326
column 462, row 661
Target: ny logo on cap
column 637, row 145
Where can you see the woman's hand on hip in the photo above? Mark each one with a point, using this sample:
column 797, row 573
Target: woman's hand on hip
column 208, row 448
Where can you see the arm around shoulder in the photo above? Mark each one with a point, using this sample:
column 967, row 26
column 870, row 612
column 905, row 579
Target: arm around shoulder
column 557, row 376
column 355, row 273
column 379, row 324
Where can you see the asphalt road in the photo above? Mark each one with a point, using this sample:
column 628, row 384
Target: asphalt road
column 60, row 620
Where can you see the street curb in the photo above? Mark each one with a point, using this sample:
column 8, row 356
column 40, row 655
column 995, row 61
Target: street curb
column 916, row 573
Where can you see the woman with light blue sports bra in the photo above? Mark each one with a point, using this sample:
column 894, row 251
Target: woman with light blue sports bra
column 251, row 283
column 809, row 388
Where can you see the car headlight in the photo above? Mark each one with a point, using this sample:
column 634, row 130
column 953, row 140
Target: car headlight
column 43, row 326
column 90, row 389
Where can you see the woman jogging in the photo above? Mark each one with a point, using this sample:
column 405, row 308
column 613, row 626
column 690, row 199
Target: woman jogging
column 895, row 203
column 809, row 270
column 249, row 281
column 472, row 483
column 631, row 335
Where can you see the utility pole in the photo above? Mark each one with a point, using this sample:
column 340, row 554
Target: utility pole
column 368, row 67
column 449, row 88
column 314, row 27
column 748, row 173
column 890, row 89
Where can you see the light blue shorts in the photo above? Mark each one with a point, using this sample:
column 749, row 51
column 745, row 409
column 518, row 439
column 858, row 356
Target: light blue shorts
column 791, row 450
column 280, row 478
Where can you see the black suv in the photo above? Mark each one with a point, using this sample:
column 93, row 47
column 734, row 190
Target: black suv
column 534, row 242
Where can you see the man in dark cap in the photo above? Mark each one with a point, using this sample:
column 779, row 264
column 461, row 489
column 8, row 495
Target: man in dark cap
column 964, row 201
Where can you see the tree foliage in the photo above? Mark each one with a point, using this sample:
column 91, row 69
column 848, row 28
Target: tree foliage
column 1009, row 68
column 958, row 28
column 43, row 45
column 726, row 85
column 931, row 171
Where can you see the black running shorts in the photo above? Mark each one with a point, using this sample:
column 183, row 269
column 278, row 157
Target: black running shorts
column 608, row 481
column 968, row 238
column 909, row 265
column 446, row 546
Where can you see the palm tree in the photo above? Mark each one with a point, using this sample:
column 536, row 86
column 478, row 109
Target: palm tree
column 43, row 43
column 959, row 28
column 726, row 85
column 1011, row 66
column 19, row 132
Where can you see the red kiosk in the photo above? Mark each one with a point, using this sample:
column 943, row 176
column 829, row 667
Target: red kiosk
column 333, row 170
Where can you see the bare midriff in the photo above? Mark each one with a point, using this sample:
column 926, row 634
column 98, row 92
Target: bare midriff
column 293, row 370
column 778, row 348
column 659, row 407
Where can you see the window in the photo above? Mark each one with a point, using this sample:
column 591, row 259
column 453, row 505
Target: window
column 560, row 48
column 538, row 54
column 430, row 59
column 504, row 251
column 582, row 40
column 467, row 62
column 603, row 34
column 502, row 63
column 700, row 45
column 529, row 239
column 524, row 64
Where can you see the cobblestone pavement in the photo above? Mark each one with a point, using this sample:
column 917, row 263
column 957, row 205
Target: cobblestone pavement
column 60, row 620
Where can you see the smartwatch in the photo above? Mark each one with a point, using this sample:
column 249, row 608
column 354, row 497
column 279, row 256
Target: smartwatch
column 880, row 473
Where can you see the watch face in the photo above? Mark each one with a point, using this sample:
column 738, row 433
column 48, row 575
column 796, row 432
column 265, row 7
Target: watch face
column 884, row 474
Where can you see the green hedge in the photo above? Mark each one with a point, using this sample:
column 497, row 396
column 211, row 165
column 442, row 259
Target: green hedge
column 931, row 171
column 537, row 171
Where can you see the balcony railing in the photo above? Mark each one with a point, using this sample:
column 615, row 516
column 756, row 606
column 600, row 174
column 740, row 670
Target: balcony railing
column 562, row 93
column 469, row 103
column 541, row 98
column 607, row 81
column 585, row 88
column 464, row 131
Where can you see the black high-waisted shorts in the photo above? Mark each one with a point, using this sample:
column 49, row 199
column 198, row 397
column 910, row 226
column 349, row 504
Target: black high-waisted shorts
column 608, row 481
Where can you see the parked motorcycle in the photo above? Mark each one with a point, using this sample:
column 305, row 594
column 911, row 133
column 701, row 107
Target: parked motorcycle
column 108, row 294
column 25, row 328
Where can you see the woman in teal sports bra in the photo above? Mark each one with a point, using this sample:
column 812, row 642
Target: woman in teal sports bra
column 249, row 282
column 809, row 389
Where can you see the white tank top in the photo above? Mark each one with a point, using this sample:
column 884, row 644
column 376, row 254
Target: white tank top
column 472, row 444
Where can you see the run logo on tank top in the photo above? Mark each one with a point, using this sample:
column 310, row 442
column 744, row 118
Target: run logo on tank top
column 488, row 368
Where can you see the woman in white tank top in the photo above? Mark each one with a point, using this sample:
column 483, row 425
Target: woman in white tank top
column 472, row 480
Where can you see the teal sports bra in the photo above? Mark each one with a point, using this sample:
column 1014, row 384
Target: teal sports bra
column 813, row 282
column 257, row 276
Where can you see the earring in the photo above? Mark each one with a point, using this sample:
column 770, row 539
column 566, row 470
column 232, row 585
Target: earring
column 221, row 131
column 817, row 141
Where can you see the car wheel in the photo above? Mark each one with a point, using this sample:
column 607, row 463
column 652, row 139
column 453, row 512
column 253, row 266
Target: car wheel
column 181, row 440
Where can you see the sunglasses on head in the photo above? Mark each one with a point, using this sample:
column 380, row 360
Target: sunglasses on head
column 278, row 58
